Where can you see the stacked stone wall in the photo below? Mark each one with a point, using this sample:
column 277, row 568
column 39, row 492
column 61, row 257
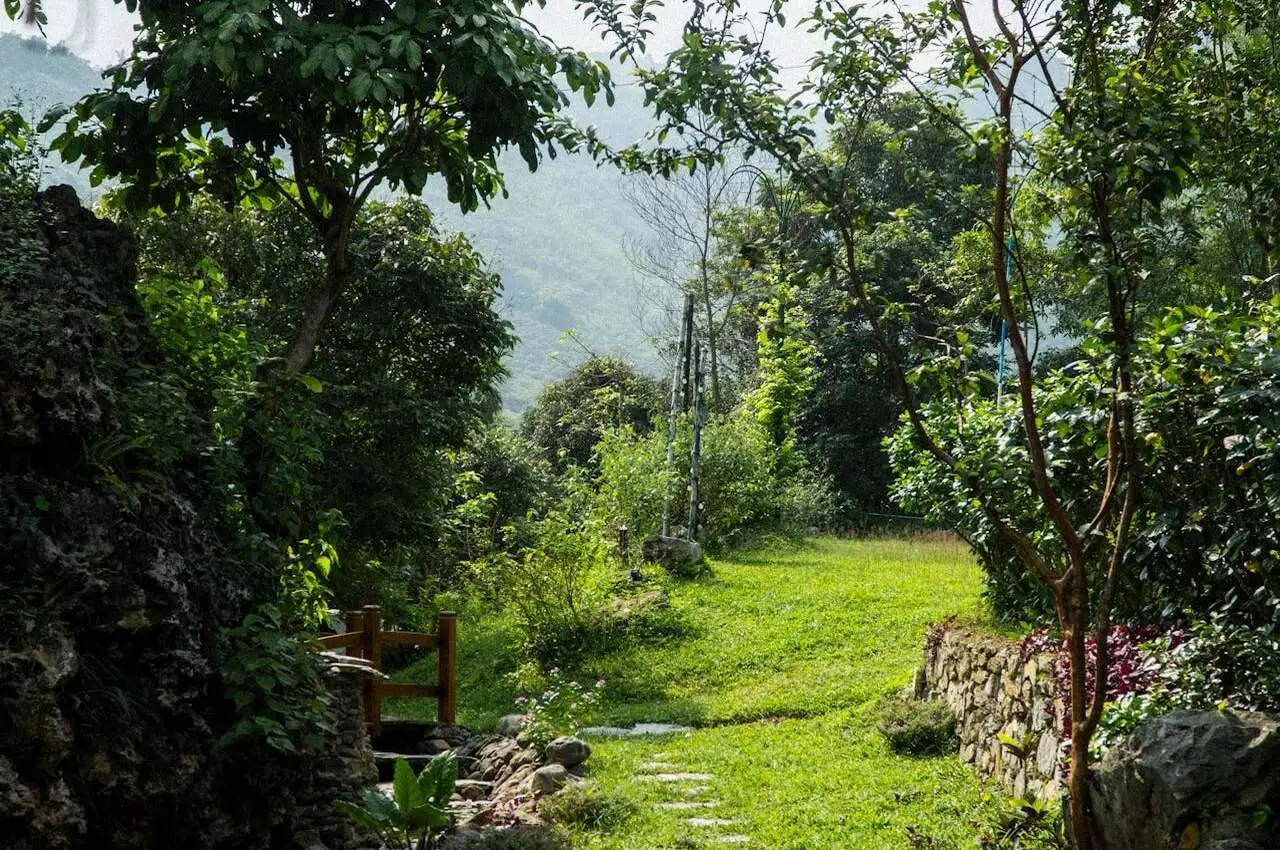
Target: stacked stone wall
column 994, row 688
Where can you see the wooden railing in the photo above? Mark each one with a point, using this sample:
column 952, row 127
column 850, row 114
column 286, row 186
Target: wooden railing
column 364, row 638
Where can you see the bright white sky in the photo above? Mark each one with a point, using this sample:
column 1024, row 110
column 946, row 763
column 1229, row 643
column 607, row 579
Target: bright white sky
column 101, row 31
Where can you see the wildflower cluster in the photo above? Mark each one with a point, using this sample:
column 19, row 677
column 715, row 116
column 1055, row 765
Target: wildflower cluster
column 561, row 709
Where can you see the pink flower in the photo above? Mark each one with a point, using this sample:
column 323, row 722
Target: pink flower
column 599, row 683
column 520, row 700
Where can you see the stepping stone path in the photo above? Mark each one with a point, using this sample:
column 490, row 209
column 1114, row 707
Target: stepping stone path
column 694, row 813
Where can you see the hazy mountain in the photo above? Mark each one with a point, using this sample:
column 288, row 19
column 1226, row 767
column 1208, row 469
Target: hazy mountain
column 557, row 240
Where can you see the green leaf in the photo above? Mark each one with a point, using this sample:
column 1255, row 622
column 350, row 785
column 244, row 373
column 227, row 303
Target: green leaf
column 382, row 807
column 361, row 816
column 360, row 84
column 311, row 382
column 408, row 793
column 439, row 778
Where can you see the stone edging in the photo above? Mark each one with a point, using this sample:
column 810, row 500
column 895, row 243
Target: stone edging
column 994, row 688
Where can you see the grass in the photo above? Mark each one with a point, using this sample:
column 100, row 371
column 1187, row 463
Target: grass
column 792, row 649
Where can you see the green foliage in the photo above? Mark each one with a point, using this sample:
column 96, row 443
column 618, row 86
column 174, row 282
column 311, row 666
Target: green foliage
column 406, row 376
column 569, row 416
column 20, row 251
column 521, row 837
column 1023, row 823
column 356, row 96
column 557, row 583
column 586, row 806
column 1206, row 385
column 563, row 708
column 1222, row 664
column 746, row 489
column 917, row 728
column 272, row 679
column 415, row 816
column 786, row 370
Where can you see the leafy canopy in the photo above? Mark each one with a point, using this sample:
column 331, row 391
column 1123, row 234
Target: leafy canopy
column 354, row 95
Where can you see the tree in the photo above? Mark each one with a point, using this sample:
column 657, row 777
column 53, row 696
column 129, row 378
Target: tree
column 682, row 213
column 569, row 416
column 1115, row 142
column 319, row 104
column 408, row 376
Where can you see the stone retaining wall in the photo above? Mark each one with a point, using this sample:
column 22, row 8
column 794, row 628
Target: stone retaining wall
column 341, row 770
column 993, row 688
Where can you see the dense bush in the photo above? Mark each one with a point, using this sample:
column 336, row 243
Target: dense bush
column 743, row 488
column 405, row 375
column 1214, row 664
column 917, row 728
column 1207, row 535
column 569, row 416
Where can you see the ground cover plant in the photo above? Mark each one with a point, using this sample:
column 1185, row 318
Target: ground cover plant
column 791, row 650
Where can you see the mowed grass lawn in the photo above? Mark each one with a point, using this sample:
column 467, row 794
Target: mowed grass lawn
column 791, row 648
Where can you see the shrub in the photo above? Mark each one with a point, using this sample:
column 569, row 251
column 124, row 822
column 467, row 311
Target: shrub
column 1207, row 536
column 561, row 709
column 746, row 489
column 556, row 584
column 584, row 804
column 522, row 837
column 917, row 728
column 273, row 681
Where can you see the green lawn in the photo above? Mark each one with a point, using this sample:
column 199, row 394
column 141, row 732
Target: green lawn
column 791, row 649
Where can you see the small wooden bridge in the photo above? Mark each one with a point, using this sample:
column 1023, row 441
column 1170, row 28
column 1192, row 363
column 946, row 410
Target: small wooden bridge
column 365, row 639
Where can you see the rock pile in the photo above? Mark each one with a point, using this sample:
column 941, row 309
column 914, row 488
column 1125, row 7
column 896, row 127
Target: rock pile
column 501, row 779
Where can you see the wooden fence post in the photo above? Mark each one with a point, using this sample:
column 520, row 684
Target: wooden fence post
column 372, row 617
column 447, row 676
column 354, row 622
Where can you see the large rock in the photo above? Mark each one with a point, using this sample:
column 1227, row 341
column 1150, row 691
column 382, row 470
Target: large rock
column 677, row 556
column 549, row 779
column 568, row 751
column 1192, row 780
column 509, row 725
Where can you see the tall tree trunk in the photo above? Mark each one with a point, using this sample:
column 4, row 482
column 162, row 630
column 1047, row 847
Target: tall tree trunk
column 711, row 347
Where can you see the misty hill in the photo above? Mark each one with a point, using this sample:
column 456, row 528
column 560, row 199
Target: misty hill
column 557, row 240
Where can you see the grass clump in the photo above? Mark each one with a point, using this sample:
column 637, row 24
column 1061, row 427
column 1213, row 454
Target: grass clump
column 524, row 837
column 586, row 805
column 917, row 728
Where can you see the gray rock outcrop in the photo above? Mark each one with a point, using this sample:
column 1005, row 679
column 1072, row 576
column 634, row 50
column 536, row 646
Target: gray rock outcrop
column 677, row 556
column 1205, row 780
column 568, row 751
column 549, row 779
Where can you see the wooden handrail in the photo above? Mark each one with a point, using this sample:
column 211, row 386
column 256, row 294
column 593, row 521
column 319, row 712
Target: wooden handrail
column 365, row 639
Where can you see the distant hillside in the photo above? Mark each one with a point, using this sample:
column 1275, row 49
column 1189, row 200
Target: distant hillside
column 34, row 77
column 557, row 241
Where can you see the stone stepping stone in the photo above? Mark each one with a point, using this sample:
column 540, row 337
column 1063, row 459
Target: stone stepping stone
column 637, row 731
column 688, row 805
column 691, row 790
column 659, row 767
column 707, row 823
column 676, row 777
column 731, row 839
